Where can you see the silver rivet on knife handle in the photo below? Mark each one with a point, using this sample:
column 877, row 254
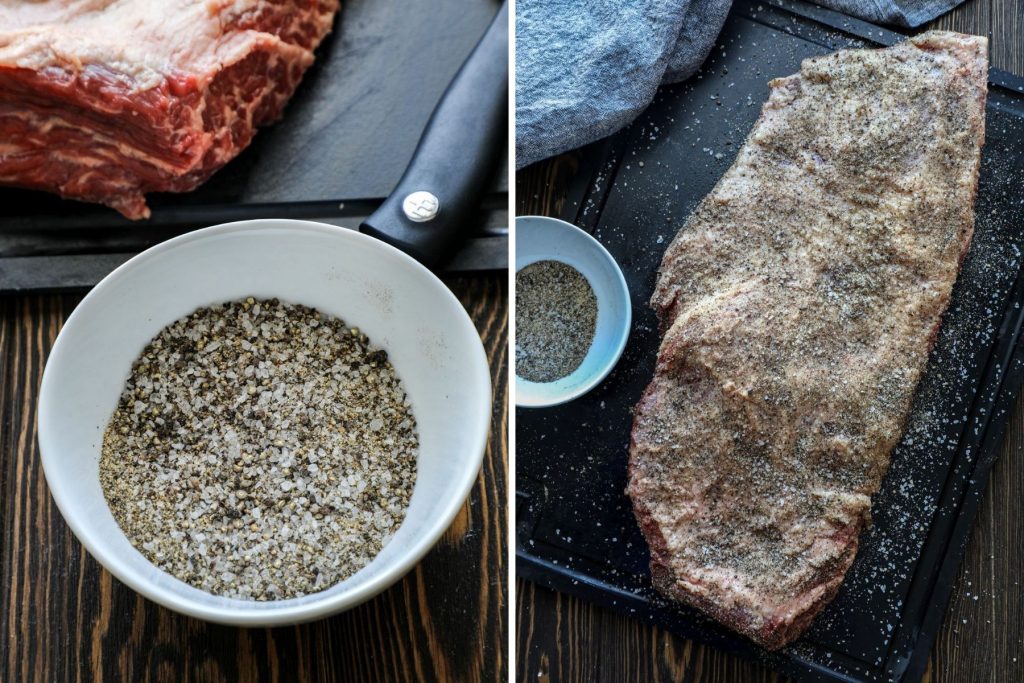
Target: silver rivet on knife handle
column 421, row 206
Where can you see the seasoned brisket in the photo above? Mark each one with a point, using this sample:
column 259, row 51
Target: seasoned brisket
column 798, row 306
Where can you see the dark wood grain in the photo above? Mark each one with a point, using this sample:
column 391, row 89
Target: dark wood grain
column 561, row 638
column 64, row 618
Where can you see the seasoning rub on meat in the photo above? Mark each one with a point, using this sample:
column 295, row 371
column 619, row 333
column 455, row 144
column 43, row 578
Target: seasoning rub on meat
column 798, row 305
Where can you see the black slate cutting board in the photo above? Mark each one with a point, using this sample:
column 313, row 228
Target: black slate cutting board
column 575, row 528
column 343, row 143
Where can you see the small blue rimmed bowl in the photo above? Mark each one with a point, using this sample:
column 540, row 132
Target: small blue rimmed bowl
column 539, row 238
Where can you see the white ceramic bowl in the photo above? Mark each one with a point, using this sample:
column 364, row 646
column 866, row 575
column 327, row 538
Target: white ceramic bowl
column 539, row 238
column 398, row 303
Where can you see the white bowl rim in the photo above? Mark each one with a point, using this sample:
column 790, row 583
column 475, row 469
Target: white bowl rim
column 612, row 359
column 268, row 613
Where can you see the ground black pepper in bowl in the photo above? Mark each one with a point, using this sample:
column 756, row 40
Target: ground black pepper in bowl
column 260, row 450
column 556, row 316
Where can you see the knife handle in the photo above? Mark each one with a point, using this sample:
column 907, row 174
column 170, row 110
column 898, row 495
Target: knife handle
column 439, row 194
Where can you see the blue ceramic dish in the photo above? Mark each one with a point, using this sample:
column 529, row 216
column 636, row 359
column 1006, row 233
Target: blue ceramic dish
column 539, row 239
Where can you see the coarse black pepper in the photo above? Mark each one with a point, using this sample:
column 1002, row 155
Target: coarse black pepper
column 556, row 317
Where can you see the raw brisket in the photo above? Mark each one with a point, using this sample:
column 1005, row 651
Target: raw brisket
column 106, row 100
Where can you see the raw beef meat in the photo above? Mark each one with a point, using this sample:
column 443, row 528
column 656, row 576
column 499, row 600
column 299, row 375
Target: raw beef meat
column 106, row 100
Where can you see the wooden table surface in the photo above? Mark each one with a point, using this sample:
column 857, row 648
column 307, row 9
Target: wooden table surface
column 65, row 618
column 561, row 639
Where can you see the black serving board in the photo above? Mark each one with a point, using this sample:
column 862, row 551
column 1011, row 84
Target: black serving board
column 343, row 143
column 575, row 527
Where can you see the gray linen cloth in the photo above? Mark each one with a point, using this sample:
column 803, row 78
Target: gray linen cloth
column 586, row 68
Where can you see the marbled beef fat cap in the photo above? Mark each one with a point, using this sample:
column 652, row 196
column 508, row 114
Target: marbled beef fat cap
column 107, row 100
